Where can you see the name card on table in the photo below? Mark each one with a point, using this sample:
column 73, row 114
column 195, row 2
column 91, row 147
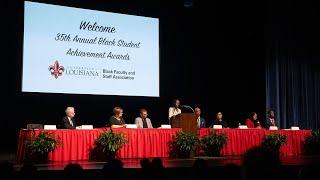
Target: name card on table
column 273, row 128
column 132, row 126
column 166, row 126
column 34, row 126
column 295, row 128
column 243, row 127
column 217, row 126
column 87, row 127
column 50, row 127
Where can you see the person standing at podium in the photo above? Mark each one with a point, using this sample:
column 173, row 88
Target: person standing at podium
column 175, row 109
column 201, row 122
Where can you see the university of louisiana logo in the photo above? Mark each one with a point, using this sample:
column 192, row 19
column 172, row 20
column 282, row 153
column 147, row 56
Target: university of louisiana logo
column 56, row 70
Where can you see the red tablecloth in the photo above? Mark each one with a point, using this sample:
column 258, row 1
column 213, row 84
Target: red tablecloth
column 77, row 144
column 142, row 143
column 240, row 140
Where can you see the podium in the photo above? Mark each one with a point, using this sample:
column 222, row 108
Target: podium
column 186, row 121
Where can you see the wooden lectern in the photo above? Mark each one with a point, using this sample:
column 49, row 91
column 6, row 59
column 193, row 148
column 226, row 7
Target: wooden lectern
column 186, row 121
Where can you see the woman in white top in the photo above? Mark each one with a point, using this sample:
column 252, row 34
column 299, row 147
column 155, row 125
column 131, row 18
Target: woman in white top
column 174, row 110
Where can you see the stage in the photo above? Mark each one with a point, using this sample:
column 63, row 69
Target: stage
column 134, row 163
column 225, row 167
column 167, row 163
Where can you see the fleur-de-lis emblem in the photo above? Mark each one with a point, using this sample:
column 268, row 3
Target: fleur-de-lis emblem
column 56, row 70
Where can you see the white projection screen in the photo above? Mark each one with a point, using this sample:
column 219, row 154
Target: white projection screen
column 80, row 51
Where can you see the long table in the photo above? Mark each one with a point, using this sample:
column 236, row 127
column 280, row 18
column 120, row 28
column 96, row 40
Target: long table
column 145, row 143
column 241, row 140
column 77, row 144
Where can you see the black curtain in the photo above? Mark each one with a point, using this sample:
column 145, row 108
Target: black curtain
column 292, row 65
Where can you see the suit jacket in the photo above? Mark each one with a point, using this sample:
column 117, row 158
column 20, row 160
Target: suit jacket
column 139, row 122
column 65, row 124
column 202, row 122
column 268, row 123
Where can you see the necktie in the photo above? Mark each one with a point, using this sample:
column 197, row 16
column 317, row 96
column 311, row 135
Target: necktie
column 71, row 122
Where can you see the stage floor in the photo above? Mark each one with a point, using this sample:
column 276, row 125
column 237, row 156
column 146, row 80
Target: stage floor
column 167, row 162
column 135, row 163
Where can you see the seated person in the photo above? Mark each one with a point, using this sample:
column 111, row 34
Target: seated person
column 201, row 122
column 117, row 121
column 68, row 121
column 175, row 109
column 252, row 121
column 219, row 120
column 271, row 121
column 143, row 121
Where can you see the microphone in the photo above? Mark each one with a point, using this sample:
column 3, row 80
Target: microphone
column 188, row 107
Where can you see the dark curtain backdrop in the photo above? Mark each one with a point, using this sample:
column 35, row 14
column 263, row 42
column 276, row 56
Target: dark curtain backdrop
column 293, row 68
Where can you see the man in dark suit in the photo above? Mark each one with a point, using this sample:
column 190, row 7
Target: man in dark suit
column 271, row 121
column 201, row 122
column 68, row 121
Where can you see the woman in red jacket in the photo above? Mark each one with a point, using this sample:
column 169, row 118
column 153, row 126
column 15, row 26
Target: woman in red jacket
column 252, row 121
